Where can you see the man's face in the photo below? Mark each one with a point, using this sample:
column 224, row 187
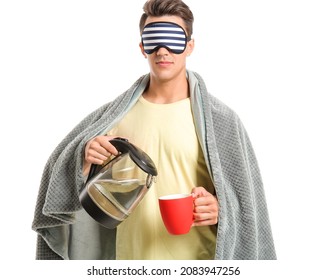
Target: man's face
column 164, row 64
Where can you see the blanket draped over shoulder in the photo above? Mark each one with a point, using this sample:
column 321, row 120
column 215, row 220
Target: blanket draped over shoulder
column 65, row 231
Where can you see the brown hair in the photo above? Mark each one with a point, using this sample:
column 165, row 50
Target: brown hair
column 157, row 8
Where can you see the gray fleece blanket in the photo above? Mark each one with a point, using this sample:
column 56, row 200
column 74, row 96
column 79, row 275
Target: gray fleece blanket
column 65, row 231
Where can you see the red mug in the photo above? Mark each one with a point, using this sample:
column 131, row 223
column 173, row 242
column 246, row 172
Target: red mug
column 177, row 212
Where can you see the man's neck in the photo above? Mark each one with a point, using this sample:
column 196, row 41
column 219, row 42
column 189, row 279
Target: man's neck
column 164, row 92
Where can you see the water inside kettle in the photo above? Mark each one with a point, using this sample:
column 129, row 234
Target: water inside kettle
column 117, row 197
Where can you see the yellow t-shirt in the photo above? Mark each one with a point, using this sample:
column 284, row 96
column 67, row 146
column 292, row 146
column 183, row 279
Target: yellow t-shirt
column 166, row 132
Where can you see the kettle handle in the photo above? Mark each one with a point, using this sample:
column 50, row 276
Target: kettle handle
column 138, row 156
column 120, row 144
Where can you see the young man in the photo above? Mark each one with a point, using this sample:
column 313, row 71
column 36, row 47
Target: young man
column 198, row 145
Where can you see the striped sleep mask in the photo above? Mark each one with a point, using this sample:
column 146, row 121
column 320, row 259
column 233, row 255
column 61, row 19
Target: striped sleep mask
column 167, row 35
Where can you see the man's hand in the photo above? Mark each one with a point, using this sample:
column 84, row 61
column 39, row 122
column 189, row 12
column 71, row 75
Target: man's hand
column 205, row 207
column 97, row 151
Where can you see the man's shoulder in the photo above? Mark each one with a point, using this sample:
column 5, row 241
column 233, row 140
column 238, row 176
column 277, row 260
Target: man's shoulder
column 220, row 110
column 210, row 101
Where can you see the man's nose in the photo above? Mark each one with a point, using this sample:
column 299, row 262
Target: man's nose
column 162, row 51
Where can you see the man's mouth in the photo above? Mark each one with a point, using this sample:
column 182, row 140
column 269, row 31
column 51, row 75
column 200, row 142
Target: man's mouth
column 164, row 63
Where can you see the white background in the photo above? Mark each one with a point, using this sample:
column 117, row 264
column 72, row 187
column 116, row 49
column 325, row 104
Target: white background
column 60, row 60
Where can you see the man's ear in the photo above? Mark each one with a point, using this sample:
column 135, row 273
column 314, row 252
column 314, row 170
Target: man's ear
column 142, row 49
column 190, row 47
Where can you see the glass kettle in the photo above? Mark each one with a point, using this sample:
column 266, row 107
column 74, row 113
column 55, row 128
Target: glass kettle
column 113, row 190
